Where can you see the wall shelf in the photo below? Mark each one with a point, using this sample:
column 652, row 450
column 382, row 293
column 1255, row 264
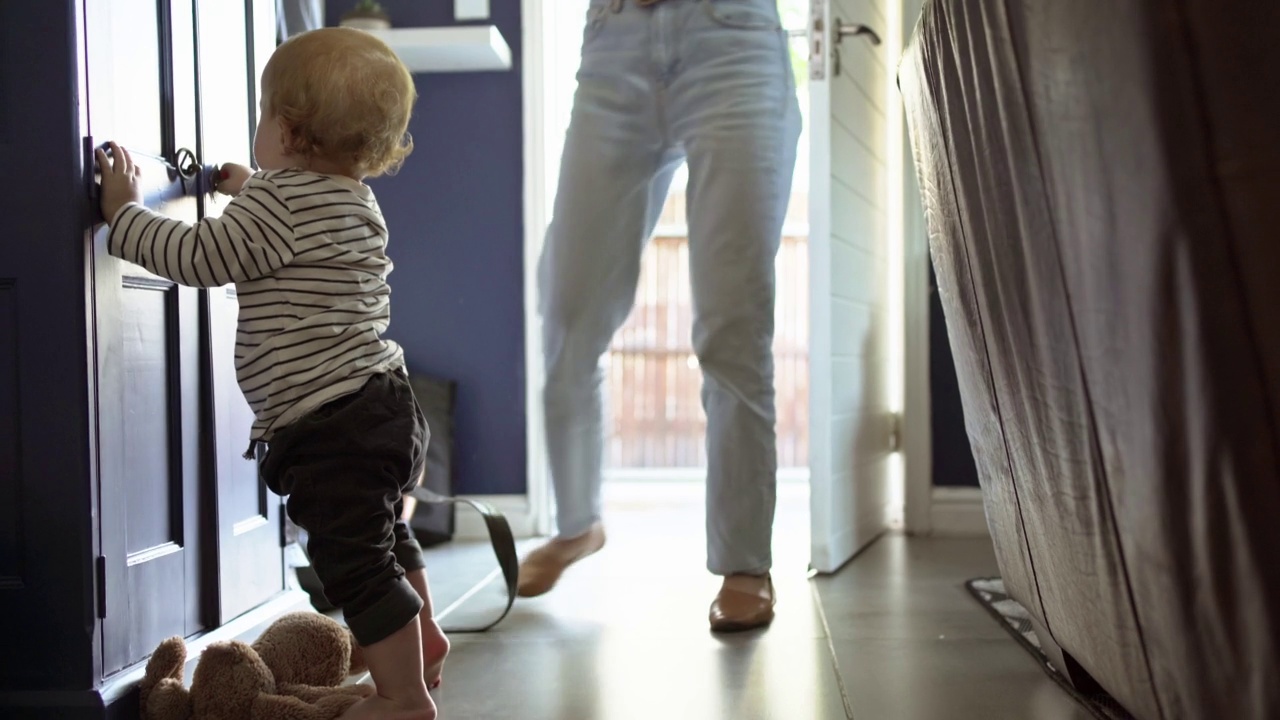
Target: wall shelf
column 460, row 48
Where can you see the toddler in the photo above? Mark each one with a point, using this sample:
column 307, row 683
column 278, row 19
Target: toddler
column 305, row 244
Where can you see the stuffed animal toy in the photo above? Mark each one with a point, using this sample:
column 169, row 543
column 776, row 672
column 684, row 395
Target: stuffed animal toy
column 305, row 648
column 292, row 672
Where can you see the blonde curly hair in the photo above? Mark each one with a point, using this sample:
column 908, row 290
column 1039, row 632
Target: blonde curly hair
column 344, row 96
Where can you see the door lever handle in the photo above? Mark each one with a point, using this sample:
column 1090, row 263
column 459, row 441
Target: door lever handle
column 183, row 166
column 844, row 30
column 162, row 180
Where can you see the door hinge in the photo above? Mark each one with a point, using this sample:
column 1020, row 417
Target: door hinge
column 895, row 432
column 100, row 571
column 284, row 534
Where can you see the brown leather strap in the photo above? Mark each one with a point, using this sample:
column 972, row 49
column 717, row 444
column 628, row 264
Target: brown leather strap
column 500, row 538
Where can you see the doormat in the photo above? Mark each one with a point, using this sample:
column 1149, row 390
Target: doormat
column 989, row 592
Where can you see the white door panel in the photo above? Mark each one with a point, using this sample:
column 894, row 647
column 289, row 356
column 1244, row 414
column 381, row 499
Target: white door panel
column 851, row 408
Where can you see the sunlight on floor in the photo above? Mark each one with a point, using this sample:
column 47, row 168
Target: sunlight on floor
column 675, row 513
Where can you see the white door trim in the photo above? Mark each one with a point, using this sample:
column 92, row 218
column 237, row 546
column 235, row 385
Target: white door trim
column 917, row 416
column 829, row 547
column 917, row 396
column 532, row 68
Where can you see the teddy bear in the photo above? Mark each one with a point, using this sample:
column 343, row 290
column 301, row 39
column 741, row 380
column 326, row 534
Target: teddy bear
column 306, row 648
column 293, row 671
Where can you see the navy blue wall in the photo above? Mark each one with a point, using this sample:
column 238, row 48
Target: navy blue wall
column 953, row 464
column 455, row 213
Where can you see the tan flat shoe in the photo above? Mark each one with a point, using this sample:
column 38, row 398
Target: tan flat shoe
column 542, row 569
column 736, row 610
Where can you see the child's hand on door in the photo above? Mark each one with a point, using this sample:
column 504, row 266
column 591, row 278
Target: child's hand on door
column 232, row 177
column 119, row 181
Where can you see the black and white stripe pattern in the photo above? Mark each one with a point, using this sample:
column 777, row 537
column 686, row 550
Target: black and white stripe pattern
column 307, row 254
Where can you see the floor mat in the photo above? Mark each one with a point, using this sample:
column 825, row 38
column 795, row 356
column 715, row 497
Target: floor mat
column 990, row 593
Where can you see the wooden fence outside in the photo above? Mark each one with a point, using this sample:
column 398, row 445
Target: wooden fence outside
column 653, row 384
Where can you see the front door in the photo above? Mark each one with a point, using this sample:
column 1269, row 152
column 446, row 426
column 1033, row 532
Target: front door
column 851, row 422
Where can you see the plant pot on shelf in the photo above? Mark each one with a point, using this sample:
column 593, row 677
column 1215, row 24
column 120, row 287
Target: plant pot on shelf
column 366, row 15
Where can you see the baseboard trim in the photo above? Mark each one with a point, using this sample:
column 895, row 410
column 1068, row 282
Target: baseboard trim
column 958, row 512
column 468, row 525
column 117, row 697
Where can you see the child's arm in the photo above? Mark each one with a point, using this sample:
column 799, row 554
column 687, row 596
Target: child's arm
column 232, row 178
column 253, row 237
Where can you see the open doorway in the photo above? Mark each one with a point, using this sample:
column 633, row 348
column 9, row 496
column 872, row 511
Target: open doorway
column 655, row 452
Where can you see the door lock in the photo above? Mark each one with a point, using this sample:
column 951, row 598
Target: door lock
column 184, row 161
column 817, row 40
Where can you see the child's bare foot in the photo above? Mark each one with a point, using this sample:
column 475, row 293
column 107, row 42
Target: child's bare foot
column 435, row 647
column 380, row 708
column 395, row 664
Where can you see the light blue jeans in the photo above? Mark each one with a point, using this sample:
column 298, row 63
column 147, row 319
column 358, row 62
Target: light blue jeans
column 710, row 82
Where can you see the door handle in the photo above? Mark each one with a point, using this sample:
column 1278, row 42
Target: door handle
column 843, row 30
column 161, row 180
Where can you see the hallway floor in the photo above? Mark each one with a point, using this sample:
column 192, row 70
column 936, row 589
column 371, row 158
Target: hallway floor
column 893, row 636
